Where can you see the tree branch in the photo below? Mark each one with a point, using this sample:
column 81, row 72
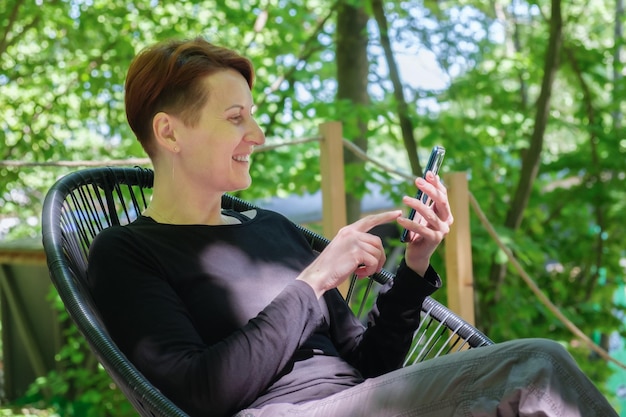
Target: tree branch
column 531, row 159
column 595, row 171
column 307, row 50
column 4, row 41
column 406, row 125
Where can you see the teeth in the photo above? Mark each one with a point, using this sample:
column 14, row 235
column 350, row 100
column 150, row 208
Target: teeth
column 242, row 158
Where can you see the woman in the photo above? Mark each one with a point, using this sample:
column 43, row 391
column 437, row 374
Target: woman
column 231, row 313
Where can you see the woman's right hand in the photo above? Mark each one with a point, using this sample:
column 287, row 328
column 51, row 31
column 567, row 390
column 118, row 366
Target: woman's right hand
column 353, row 250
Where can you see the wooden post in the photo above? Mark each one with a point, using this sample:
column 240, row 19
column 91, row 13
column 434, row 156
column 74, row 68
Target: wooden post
column 333, row 181
column 458, row 246
column 334, row 215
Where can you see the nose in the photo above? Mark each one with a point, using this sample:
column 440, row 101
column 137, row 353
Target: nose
column 255, row 134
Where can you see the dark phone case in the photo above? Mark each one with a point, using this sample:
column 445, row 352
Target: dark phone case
column 434, row 163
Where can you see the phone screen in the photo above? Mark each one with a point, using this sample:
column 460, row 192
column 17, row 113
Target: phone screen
column 433, row 165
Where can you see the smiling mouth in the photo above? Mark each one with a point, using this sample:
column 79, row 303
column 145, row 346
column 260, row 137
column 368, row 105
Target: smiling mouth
column 242, row 158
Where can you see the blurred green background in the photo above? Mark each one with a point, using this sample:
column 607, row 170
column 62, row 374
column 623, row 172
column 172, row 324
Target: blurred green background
column 527, row 96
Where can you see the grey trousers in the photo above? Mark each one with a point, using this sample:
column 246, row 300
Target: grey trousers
column 529, row 377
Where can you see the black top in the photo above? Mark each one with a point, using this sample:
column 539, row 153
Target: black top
column 214, row 317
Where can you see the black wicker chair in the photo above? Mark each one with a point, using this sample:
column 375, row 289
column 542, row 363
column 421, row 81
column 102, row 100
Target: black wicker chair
column 84, row 202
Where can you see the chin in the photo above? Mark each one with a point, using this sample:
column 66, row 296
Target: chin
column 241, row 186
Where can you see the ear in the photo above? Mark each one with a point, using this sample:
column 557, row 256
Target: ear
column 163, row 128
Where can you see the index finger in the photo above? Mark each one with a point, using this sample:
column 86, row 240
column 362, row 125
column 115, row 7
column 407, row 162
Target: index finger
column 369, row 222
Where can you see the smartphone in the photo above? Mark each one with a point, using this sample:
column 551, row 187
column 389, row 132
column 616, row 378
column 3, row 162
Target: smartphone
column 433, row 165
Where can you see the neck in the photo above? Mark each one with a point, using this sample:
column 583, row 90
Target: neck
column 176, row 203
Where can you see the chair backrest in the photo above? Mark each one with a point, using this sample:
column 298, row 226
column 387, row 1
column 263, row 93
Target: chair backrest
column 76, row 208
column 87, row 201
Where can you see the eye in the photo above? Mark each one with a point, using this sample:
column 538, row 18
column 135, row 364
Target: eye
column 238, row 118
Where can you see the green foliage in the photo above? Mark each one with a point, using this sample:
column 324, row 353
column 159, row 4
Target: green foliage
column 79, row 386
column 62, row 66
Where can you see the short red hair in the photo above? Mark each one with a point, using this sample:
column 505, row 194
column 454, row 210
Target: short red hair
column 167, row 77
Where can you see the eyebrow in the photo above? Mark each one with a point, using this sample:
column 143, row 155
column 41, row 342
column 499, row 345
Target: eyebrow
column 253, row 107
column 238, row 106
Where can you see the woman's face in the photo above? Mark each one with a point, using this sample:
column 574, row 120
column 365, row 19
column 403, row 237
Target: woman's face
column 215, row 153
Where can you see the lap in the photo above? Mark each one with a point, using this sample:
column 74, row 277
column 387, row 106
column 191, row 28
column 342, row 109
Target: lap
column 502, row 379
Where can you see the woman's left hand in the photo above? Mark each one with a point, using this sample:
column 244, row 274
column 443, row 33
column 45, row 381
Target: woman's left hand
column 430, row 225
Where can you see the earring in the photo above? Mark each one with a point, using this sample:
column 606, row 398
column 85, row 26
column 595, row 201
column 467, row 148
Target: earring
column 175, row 148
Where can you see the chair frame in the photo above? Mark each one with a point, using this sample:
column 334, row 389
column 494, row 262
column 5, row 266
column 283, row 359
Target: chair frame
column 81, row 204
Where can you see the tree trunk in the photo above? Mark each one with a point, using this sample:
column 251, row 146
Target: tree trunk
column 618, row 63
column 352, row 72
column 532, row 157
